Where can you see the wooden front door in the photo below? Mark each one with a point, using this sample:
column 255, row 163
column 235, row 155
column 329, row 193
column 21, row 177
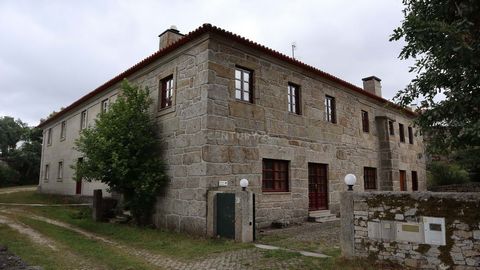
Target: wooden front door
column 403, row 181
column 78, row 187
column 317, row 186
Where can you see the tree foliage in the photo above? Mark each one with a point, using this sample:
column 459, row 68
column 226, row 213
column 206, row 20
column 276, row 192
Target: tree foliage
column 443, row 36
column 122, row 151
column 11, row 132
column 21, row 165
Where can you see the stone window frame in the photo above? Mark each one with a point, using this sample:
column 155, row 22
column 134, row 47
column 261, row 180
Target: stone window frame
column 414, row 181
column 46, row 172
column 370, row 178
column 280, row 167
column 401, row 131
column 63, row 130
column 49, row 136
column 251, row 92
column 330, row 109
column 410, row 135
column 60, row 170
column 169, row 72
column 294, row 93
column 105, row 104
column 391, row 128
column 83, row 119
column 166, row 92
column 365, row 121
column 403, row 185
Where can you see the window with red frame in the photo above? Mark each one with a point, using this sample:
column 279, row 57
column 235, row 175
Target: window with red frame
column 275, row 175
column 365, row 124
column 414, row 181
column 293, row 98
column 166, row 92
column 369, row 178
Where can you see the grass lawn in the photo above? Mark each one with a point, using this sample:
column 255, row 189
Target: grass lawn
column 99, row 252
column 34, row 197
column 175, row 245
column 33, row 253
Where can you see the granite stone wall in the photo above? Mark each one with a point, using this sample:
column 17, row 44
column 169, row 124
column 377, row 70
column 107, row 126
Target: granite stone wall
column 392, row 226
column 240, row 134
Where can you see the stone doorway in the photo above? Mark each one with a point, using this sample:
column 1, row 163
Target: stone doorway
column 317, row 186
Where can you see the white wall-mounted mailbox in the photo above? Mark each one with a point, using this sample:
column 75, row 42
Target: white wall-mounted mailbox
column 434, row 229
column 410, row 232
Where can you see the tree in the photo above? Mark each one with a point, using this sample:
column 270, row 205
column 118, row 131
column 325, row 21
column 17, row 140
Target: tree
column 122, row 151
column 11, row 132
column 443, row 36
column 26, row 159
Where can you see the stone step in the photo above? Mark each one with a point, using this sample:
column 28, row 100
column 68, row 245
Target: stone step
column 321, row 216
column 322, row 213
column 326, row 219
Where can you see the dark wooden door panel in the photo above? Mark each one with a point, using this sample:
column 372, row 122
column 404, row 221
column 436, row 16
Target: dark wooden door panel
column 226, row 215
column 318, row 186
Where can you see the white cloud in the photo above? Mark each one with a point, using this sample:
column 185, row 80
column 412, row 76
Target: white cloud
column 53, row 52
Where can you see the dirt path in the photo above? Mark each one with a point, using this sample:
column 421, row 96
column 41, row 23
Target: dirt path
column 17, row 189
column 78, row 262
column 240, row 259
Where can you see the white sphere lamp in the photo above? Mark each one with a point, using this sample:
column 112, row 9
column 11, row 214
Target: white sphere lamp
column 350, row 180
column 244, row 184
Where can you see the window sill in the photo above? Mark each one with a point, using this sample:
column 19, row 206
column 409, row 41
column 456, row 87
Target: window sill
column 60, row 180
column 165, row 110
column 276, row 192
column 62, row 139
column 244, row 102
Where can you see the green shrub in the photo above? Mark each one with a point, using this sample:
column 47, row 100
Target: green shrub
column 8, row 176
column 440, row 174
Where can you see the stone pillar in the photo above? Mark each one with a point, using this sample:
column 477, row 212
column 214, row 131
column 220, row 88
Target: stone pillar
column 97, row 208
column 212, row 213
column 347, row 228
column 388, row 155
column 244, row 216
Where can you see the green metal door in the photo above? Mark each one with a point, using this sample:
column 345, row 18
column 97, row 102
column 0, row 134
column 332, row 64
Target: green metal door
column 226, row 215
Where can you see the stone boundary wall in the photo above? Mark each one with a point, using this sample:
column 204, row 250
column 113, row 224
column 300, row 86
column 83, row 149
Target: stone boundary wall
column 468, row 187
column 396, row 226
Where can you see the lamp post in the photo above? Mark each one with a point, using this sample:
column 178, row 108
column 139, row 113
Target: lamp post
column 244, row 184
column 350, row 180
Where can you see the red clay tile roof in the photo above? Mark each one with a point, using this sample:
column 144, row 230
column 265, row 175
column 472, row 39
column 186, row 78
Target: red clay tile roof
column 206, row 28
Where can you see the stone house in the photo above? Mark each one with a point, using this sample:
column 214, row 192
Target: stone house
column 228, row 108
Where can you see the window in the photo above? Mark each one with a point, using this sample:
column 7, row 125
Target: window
column 390, row 128
column 330, row 109
column 83, row 120
column 369, row 178
column 63, row 130
column 275, row 175
column 60, row 170
column 410, row 135
column 46, row 173
column 49, row 136
column 293, row 98
column 402, row 132
column 166, row 92
column 365, row 124
column 105, row 105
column 403, row 181
column 243, row 84
column 414, row 181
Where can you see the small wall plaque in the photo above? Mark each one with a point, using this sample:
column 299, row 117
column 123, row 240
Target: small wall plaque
column 222, row 183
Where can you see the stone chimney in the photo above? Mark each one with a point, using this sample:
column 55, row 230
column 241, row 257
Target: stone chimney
column 372, row 85
column 168, row 37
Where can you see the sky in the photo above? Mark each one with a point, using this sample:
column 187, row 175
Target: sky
column 54, row 52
